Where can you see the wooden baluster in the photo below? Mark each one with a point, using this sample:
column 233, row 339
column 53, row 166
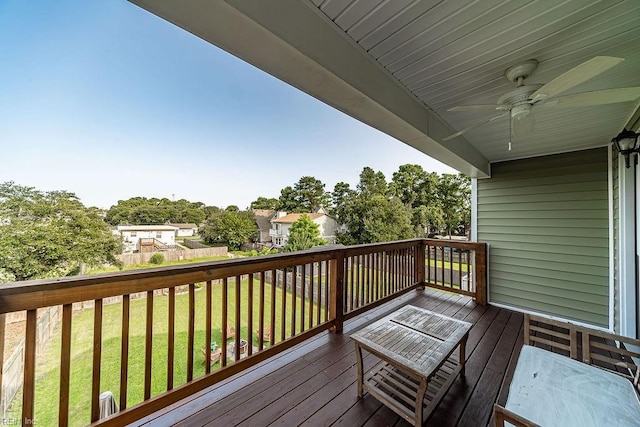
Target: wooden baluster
column 97, row 353
column 351, row 282
column 367, row 266
column 311, row 296
column 319, row 297
column 225, row 306
column 283, row 306
column 294, row 302
column 376, row 272
column 480, row 274
column 28, row 388
column 237, row 324
column 460, row 269
column 337, row 294
column 356, row 260
column 302, row 296
column 273, row 307
column 148, row 347
column 428, row 263
column 171, row 333
column 374, row 277
column 451, row 269
column 191, row 330
column 65, row 366
column 207, row 327
column 442, row 264
column 326, row 290
column 250, row 314
column 124, row 351
column 261, row 311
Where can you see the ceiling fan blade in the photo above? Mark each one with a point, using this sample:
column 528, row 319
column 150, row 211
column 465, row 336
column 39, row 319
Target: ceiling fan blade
column 583, row 72
column 499, row 107
column 463, row 131
column 597, row 97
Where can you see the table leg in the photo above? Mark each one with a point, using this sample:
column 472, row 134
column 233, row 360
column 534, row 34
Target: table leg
column 360, row 369
column 463, row 344
column 420, row 401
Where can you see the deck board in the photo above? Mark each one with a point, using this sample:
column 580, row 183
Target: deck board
column 314, row 383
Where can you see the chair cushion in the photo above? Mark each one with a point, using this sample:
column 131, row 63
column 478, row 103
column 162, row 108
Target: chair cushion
column 553, row 390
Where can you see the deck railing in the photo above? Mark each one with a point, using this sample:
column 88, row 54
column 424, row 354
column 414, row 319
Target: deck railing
column 253, row 308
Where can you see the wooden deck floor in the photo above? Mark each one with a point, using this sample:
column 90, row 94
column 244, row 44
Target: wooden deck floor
column 315, row 383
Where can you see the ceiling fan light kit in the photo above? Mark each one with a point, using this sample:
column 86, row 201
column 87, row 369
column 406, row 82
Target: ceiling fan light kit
column 521, row 101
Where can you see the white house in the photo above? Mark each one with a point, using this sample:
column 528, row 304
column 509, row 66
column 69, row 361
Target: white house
column 160, row 235
column 186, row 230
column 281, row 223
column 263, row 219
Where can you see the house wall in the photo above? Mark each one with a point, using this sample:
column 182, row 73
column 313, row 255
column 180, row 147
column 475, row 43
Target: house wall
column 546, row 221
column 166, row 236
column 185, row 232
column 327, row 227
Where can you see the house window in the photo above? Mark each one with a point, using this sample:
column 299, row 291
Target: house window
column 158, row 234
column 134, row 234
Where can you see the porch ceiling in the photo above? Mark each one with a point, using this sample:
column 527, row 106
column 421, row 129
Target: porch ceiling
column 399, row 65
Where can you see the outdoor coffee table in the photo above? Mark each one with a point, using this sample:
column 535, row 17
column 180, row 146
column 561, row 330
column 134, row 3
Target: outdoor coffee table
column 417, row 364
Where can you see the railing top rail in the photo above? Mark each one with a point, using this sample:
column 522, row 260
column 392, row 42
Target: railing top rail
column 454, row 244
column 17, row 296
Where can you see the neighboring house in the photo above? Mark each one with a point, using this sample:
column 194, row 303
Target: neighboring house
column 263, row 221
column 282, row 222
column 186, row 230
column 136, row 236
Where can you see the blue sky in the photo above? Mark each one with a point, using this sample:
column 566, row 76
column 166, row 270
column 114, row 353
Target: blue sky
column 105, row 100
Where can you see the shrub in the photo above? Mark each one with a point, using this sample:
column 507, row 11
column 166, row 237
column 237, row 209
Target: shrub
column 156, row 259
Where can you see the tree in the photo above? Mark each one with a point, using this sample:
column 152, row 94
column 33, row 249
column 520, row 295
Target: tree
column 414, row 186
column 230, row 228
column 307, row 195
column 454, row 194
column 140, row 210
column 49, row 234
column 369, row 214
column 340, row 198
column 372, row 183
column 264, row 203
column 303, row 234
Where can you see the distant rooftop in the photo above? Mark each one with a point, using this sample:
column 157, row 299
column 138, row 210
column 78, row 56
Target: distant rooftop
column 147, row 228
column 291, row 218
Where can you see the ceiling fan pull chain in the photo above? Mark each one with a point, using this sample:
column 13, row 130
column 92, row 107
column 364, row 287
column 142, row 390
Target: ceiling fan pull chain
column 510, row 130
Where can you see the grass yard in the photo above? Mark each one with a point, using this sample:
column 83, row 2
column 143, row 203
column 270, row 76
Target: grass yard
column 447, row 265
column 47, row 371
column 112, row 269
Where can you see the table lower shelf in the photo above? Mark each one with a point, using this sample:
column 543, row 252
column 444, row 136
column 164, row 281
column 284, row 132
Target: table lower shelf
column 399, row 390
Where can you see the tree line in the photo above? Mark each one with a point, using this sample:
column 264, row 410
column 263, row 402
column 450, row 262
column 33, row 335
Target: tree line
column 414, row 203
column 48, row 234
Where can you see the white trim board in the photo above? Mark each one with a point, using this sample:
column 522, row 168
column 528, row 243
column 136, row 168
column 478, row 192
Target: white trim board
column 547, row 316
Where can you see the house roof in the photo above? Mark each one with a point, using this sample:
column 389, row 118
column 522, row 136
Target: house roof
column 185, row 226
column 263, row 218
column 291, row 218
column 147, row 228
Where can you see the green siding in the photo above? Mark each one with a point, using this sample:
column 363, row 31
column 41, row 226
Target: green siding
column 547, row 223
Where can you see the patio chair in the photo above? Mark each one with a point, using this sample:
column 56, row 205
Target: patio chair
column 231, row 331
column 266, row 336
column 215, row 356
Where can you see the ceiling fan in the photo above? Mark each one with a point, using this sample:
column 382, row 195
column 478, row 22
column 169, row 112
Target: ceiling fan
column 520, row 102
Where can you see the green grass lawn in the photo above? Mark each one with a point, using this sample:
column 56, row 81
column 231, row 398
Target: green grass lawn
column 447, row 265
column 47, row 372
column 112, row 269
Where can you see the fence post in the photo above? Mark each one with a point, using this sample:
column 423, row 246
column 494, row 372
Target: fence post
column 420, row 263
column 336, row 299
column 481, row 273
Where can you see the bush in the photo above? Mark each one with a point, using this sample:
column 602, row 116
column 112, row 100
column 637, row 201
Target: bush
column 156, row 259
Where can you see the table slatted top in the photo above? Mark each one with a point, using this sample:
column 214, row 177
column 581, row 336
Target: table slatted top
column 416, row 338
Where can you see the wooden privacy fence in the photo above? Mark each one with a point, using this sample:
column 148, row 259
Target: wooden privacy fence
column 263, row 306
